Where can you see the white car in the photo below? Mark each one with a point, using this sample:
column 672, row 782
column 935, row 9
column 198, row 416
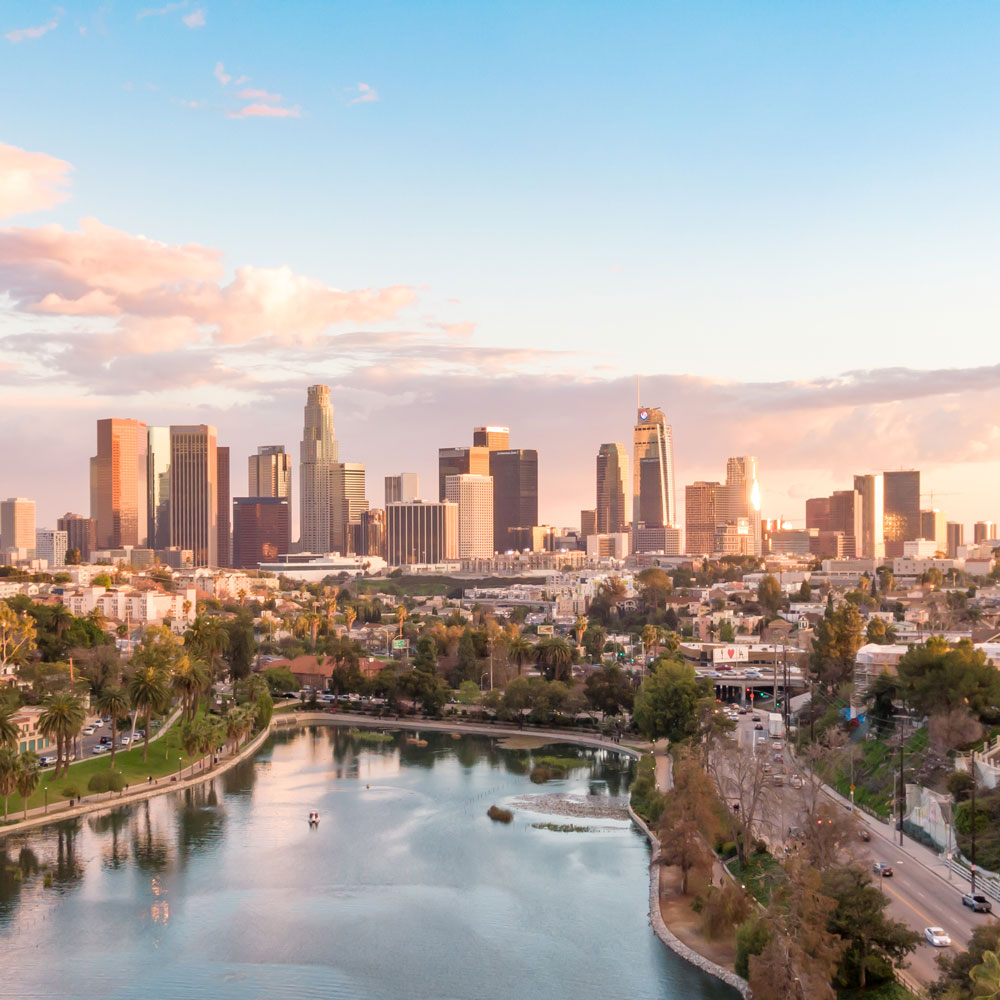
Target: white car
column 937, row 937
column 101, row 748
column 88, row 731
column 46, row 761
column 98, row 723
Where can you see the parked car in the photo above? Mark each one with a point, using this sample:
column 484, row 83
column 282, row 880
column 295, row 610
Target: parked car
column 46, row 761
column 123, row 740
column 100, row 748
column 106, row 741
column 99, row 723
column 881, row 869
column 140, row 734
column 937, row 937
column 796, row 781
column 977, row 902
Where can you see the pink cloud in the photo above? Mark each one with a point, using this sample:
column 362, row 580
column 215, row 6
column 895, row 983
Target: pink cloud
column 196, row 19
column 259, row 95
column 30, row 182
column 364, row 94
column 23, row 34
column 266, row 111
column 220, row 74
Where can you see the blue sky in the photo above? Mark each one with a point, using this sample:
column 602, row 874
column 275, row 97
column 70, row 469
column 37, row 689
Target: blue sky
column 737, row 192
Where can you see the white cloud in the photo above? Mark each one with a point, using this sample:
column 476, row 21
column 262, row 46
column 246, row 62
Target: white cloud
column 221, row 75
column 196, row 19
column 364, row 94
column 23, row 34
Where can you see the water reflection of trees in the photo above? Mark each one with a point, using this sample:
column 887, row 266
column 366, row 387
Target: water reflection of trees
column 114, row 852
column 200, row 820
column 149, row 848
column 15, row 870
column 68, row 868
column 239, row 781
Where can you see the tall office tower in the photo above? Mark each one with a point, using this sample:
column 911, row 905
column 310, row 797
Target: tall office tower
column 588, row 523
column 421, row 532
column 612, row 472
column 194, row 492
column 81, row 533
column 262, row 530
column 818, row 513
column 158, row 487
column 653, row 489
column 402, row 488
column 17, row 524
column 347, row 501
column 847, row 517
column 474, row 461
column 872, row 491
column 317, row 455
column 901, row 513
column 984, row 531
column 122, row 512
column 223, row 515
column 515, row 492
column 701, row 516
column 956, row 537
column 269, row 472
column 739, row 500
column 934, row 527
column 373, row 533
column 51, row 546
column 494, row 438
column 474, row 497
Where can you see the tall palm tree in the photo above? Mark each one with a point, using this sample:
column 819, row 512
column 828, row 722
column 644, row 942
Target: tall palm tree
column 114, row 702
column 519, row 650
column 256, row 686
column 208, row 639
column 555, row 655
column 9, row 732
column 62, row 720
column 147, row 688
column 234, row 722
column 8, row 775
column 651, row 635
column 350, row 617
column 401, row 615
column 986, row 977
column 26, row 777
column 579, row 627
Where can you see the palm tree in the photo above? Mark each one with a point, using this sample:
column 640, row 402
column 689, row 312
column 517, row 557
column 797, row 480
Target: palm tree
column 26, row 777
column 519, row 650
column 579, row 627
column 208, row 638
column 234, row 723
column 401, row 615
column 8, row 775
column 188, row 679
column 114, row 702
column 986, row 977
column 9, row 732
column 350, row 617
column 147, row 688
column 256, row 686
column 555, row 655
column 651, row 637
column 61, row 720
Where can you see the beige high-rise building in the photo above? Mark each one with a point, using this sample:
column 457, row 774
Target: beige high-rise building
column 612, row 474
column 701, row 517
column 121, row 492
column 348, row 500
column 934, row 528
column 474, row 498
column 494, row 438
column 194, row 491
column 956, row 537
column 739, row 501
column 317, row 456
column 158, row 484
column 402, row 488
column 984, row 531
column 17, row 524
column 421, row 532
column 474, row 461
column 269, row 472
column 871, row 488
column 51, row 545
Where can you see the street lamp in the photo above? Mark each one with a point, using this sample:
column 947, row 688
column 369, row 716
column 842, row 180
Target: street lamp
column 180, row 760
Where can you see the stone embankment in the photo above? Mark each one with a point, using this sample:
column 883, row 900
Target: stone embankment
column 579, row 806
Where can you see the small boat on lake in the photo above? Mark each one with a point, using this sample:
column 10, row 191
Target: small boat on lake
column 314, row 818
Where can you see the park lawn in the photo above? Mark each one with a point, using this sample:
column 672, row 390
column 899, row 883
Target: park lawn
column 165, row 756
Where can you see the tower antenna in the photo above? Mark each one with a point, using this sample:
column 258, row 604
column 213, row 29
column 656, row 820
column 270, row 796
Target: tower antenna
column 637, row 403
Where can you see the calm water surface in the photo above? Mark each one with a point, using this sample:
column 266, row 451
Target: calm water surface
column 405, row 890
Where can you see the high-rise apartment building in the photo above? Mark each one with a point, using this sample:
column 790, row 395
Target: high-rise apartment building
column 402, row 488
column 421, row 532
column 269, row 472
column 474, row 497
column 121, row 492
column 901, row 513
column 51, row 545
column 223, row 515
column 17, row 524
column 515, row 492
column 262, row 530
column 871, row 489
column 81, row 533
column 317, row 455
column 653, row 487
column 194, row 492
column 984, row 531
column 612, row 474
column 956, row 537
column 474, row 461
column 934, row 528
column 158, row 487
column 348, row 499
column 494, row 438
column 701, row 517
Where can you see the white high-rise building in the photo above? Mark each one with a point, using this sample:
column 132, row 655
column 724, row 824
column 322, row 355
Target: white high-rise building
column 51, row 545
column 474, row 497
column 269, row 472
column 403, row 488
column 348, row 501
column 317, row 455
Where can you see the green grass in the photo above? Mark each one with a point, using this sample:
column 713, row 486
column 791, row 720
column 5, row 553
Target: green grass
column 430, row 586
column 562, row 764
column 759, row 876
column 163, row 760
column 368, row 736
column 885, row 991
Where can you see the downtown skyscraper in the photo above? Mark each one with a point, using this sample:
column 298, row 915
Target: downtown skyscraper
column 119, row 493
column 317, row 457
column 654, row 503
column 612, row 473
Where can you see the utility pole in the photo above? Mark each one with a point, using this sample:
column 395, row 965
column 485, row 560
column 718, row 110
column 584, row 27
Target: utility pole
column 972, row 851
column 902, row 788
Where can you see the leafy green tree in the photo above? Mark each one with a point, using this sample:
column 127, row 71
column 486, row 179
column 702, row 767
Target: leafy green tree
column 726, row 632
column 469, row 693
column 667, row 701
column 425, row 655
column 114, row 701
column 769, row 594
column 280, row 680
column 8, row 775
column 264, row 710
column 62, row 721
column 555, row 656
column 881, row 696
column 938, row 678
column 836, row 642
column 875, row 944
column 594, row 640
column 805, row 592
column 986, row 977
column 26, row 777
column 208, row 640
column 241, row 646
column 955, row 981
column 17, row 636
column 880, row 633
column 752, row 937
column 654, row 586
column 608, row 689
column 467, row 666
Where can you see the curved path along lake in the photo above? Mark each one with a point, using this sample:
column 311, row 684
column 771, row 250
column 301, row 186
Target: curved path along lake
column 405, row 890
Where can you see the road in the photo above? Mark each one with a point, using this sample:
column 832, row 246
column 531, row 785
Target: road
column 86, row 743
column 922, row 891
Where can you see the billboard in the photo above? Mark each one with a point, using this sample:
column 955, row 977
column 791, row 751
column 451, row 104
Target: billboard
column 546, row 629
column 399, row 644
column 730, row 654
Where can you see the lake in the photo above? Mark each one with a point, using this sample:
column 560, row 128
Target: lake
column 405, row 890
